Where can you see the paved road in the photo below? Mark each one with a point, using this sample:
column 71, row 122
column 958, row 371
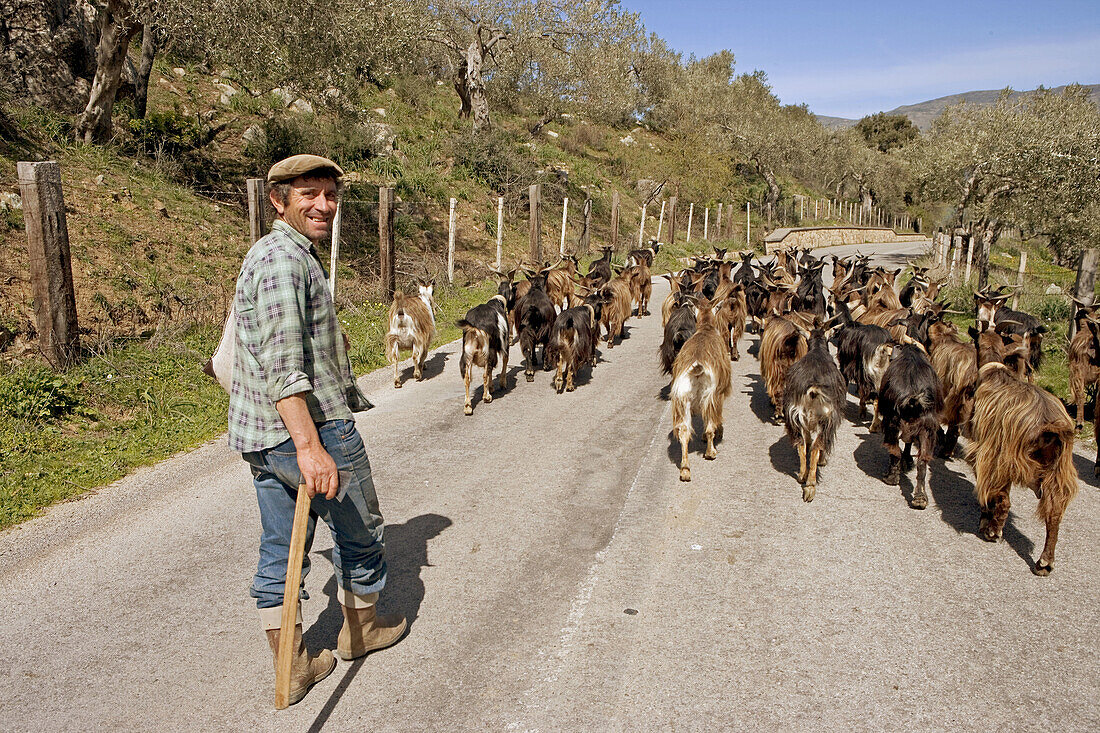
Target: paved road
column 559, row 577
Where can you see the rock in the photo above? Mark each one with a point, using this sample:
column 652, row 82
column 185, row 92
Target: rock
column 551, row 133
column 254, row 134
column 160, row 208
column 10, row 201
column 99, row 180
column 226, row 89
column 381, row 137
column 162, row 82
column 647, row 188
column 179, row 72
column 283, row 95
column 628, row 140
column 380, row 111
column 301, row 106
column 1053, row 289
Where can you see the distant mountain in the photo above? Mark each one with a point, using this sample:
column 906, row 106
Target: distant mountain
column 923, row 113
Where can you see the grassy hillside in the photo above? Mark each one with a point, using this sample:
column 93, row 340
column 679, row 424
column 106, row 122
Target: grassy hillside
column 158, row 229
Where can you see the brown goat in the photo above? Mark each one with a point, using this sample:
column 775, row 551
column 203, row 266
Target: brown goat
column 1084, row 366
column 730, row 314
column 641, row 286
column 780, row 346
column 956, row 365
column 700, row 383
column 411, row 327
column 1020, row 434
column 616, row 310
column 559, row 282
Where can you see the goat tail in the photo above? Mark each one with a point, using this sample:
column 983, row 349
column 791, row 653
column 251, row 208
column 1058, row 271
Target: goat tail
column 1059, row 485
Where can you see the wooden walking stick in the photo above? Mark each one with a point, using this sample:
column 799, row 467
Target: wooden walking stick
column 290, row 599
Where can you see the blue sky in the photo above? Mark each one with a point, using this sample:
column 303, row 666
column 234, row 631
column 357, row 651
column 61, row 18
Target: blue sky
column 855, row 58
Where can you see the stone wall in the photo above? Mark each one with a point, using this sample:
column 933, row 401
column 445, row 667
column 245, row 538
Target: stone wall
column 813, row 237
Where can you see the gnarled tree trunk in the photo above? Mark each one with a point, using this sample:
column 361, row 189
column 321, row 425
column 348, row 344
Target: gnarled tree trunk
column 475, row 85
column 771, row 199
column 150, row 43
column 117, row 27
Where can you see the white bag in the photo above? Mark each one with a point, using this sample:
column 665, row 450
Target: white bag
column 220, row 366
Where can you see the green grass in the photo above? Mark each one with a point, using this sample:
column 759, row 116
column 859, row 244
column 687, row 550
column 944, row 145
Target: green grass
column 137, row 405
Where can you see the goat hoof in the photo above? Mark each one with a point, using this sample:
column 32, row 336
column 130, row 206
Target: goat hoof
column 468, row 409
column 419, row 377
column 710, row 455
column 987, row 531
column 571, row 388
column 530, row 377
column 685, row 474
column 808, row 493
column 1042, row 569
column 487, row 398
column 919, row 502
column 397, row 384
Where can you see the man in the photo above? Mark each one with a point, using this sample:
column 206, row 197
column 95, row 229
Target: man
column 290, row 415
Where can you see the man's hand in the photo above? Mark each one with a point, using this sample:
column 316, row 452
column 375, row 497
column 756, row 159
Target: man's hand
column 319, row 474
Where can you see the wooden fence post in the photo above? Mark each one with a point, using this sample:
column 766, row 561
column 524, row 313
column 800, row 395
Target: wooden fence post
column 500, row 230
column 334, row 250
column 50, row 261
column 614, row 219
column 1084, row 287
column 451, row 242
column 586, row 234
column 534, row 223
column 564, row 224
column 1019, row 280
column 257, row 212
column 691, row 215
column 718, row 223
column 385, row 241
column 672, row 219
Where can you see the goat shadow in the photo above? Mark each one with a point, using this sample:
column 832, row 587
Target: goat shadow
column 1086, row 470
column 784, row 459
column 759, row 402
column 951, row 490
column 433, row 367
column 698, row 442
column 406, row 553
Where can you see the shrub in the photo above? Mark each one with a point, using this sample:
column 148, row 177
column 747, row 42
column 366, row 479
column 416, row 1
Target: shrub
column 496, row 159
column 168, row 132
column 38, row 394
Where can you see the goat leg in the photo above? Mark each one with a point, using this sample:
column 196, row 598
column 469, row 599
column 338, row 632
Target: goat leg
column 907, row 457
column 418, row 360
column 469, row 408
column 397, row 370
column 801, row 461
column 503, row 368
column 876, row 421
column 893, row 475
column 683, row 432
column 1045, row 563
column 994, row 513
column 710, row 453
column 570, row 370
column 487, row 395
column 810, row 489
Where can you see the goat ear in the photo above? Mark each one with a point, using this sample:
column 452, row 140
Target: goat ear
column 974, row 333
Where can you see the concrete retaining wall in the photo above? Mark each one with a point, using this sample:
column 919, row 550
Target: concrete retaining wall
column 812, row 237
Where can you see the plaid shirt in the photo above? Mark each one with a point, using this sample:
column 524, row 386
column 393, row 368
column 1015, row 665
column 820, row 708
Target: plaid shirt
column 288, row 341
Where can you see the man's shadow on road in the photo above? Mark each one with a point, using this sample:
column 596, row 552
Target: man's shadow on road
column 406, row 554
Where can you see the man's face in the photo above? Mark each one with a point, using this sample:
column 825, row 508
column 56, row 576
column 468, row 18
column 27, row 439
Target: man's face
column 310, row 207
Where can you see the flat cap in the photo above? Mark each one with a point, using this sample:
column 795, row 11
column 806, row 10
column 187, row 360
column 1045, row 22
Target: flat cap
column 297, row 165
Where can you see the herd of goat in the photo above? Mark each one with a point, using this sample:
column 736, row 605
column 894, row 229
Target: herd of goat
column 925, row 383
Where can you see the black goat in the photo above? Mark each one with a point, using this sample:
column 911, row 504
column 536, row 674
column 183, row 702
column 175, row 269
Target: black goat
column 599, row 272
column 909, row 403
column 678, row 329
column 573, row 341
column 1019, row 323
column 863, row 351
column 484, row 340
column 535, row 317
column 813, row 398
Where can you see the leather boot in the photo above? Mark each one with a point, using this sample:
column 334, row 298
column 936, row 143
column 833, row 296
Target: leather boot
column 305, row 671
column 365, row 631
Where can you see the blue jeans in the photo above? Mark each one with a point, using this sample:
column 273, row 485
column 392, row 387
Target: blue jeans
column 353, row 516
